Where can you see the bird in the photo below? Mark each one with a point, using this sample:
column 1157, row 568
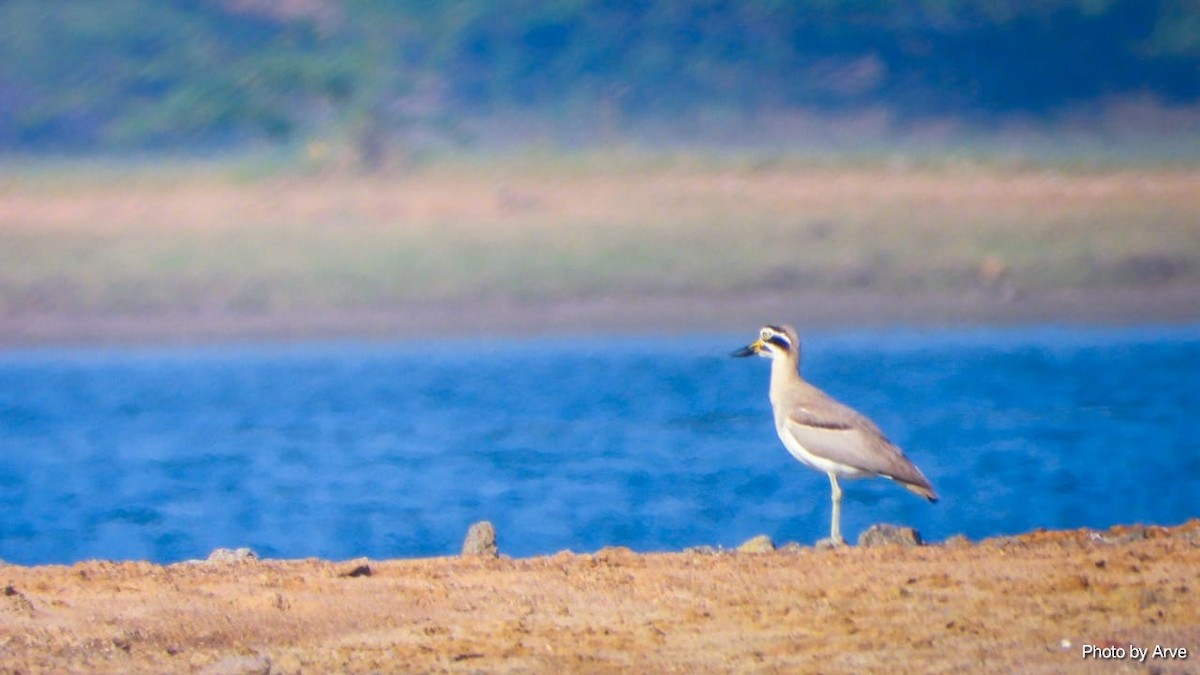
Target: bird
column 824, row 433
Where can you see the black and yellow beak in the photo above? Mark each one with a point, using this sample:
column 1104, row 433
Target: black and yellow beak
column 751, row 349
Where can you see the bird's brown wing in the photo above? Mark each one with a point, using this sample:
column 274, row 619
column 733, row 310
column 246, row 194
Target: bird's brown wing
column 838, row 433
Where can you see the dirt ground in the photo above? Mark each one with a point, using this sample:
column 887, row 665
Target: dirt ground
column 1031, row 603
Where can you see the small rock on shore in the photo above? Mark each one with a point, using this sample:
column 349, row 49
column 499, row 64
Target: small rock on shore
column 882, row 535
column 481, row 541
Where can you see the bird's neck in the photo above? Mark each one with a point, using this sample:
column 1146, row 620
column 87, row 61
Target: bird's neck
column 784, row 372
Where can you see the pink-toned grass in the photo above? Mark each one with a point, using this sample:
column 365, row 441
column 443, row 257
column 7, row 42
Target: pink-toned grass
column 205, row 239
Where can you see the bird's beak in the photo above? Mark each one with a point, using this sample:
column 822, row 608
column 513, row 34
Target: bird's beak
column 751, row 349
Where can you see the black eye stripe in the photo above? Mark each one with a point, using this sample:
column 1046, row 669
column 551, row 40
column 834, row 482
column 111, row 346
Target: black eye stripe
column 780, row 341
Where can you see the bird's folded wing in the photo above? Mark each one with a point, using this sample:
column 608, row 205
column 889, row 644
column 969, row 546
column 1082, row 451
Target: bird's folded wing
column 827, row 413
column 843, row 436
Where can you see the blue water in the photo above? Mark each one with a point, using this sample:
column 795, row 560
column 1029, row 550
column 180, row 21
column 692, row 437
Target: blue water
column 393, row 450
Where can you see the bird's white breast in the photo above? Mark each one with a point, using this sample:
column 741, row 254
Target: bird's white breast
column 797, row 450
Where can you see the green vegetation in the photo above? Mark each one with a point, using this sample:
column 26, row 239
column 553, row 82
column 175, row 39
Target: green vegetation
column 375, row 76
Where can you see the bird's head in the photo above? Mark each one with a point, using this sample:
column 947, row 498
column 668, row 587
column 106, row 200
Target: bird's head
column 773, row 342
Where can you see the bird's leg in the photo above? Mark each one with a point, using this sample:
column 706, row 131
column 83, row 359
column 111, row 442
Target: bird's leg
column 835, row 526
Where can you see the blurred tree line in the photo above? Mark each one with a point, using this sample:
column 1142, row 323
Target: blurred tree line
column 85, row 75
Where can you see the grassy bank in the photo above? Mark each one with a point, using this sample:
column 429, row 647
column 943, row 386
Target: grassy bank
column 238, row 239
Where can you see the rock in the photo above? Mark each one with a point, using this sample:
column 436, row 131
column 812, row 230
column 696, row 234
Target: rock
column 239, row 665
column 702, row 550
column 882, row 535
column 957, row 541
column 359, row 567
column 229, row 555
column 481, row 541
column 760, row 544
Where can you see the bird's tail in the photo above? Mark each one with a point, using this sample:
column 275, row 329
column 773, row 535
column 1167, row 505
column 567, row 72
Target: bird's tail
column 925, row 490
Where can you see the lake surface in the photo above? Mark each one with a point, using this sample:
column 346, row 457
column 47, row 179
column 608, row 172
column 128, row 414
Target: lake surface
column 393, row 450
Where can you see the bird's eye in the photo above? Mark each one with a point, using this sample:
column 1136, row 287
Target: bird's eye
column 766, row 334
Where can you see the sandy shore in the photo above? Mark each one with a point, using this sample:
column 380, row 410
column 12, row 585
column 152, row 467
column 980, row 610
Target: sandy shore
column 1015, row 604
column 649, row 314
